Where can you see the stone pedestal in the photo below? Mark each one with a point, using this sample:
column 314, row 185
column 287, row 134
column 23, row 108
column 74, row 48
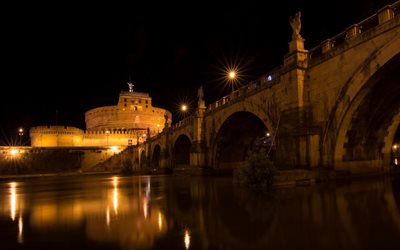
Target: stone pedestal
column 296, row 44
column 297, row 56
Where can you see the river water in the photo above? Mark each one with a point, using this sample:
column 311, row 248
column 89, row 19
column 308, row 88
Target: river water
column 173, row 212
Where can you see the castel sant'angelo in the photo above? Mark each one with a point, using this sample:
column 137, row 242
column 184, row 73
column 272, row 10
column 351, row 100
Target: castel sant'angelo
column 131, row 120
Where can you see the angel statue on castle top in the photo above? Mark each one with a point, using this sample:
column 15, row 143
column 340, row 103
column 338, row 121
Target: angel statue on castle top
column 130, row 86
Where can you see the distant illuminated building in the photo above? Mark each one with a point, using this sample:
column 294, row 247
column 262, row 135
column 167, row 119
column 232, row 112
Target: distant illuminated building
column 119, row 125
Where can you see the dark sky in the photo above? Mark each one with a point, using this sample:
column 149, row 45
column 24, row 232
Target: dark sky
column 74, row 58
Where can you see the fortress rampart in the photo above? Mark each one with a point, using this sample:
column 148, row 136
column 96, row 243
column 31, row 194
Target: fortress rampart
column 133, row 119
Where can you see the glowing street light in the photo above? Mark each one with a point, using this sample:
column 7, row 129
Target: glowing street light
column 184, row 107
column 232, row 74
column 20, row 133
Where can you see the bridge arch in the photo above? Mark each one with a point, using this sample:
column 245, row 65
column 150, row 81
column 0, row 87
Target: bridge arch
column 156, row 156
column 239, row 134
column 181, row 151
column 368, row 110
column 249, row 107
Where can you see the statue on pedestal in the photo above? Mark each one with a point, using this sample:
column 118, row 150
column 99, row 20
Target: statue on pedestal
column 130, row 86
column 200, row 93
column 295, row 23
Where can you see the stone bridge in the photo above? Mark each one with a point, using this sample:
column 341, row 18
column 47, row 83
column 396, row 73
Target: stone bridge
column 336, row 106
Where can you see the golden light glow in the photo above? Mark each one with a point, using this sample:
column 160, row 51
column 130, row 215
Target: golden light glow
column 232, row 74
column 13, row 199
column 233, row 78
column 20, row 130
column 114, row 149
column 395, row 146
column 186, row 239
column 184, row 107
column 267, row 134
column 232, row 71
column 160, row 221
column 145, row 207
column 115, row 194
column 396, row 162
column 13, row 152
column 108, row 216
column 20, row 229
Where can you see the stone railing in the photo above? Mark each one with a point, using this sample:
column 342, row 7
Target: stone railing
column 186, row 121
column 356, row 30
column 265, row 81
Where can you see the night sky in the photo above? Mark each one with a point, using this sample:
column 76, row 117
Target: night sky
column 74, row 58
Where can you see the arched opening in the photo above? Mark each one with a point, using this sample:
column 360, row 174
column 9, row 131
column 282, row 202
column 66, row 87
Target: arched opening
column 155, row 162
column 373, row 110
column 143, row 160
column 182, row 151
column 240, row 134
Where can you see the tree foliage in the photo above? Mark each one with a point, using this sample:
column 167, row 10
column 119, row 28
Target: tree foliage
column 259, row 170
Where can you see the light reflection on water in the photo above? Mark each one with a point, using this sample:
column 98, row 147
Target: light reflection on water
column 94, row 212
column 13, row 199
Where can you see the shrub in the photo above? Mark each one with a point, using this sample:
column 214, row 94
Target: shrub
column 259, row 170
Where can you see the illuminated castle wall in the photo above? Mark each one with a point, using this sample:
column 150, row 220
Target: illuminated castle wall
column 132, row 119
column 134, row 111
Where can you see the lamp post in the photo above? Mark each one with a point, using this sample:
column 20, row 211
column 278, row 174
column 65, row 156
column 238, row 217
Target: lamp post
column 232, row 76
column 20, row 134
column 184, row 109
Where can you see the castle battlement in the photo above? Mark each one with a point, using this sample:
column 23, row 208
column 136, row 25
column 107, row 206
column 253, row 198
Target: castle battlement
column 66, row 130
column 114, row 132
column 132, row 119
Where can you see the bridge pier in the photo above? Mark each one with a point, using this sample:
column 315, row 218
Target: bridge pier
column 197, row 155
column 298, row 140
column 197, row 151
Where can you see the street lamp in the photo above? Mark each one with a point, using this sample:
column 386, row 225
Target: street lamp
column 20, row 134
column 232, row 74
column 183, row 110
column 184, row 107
